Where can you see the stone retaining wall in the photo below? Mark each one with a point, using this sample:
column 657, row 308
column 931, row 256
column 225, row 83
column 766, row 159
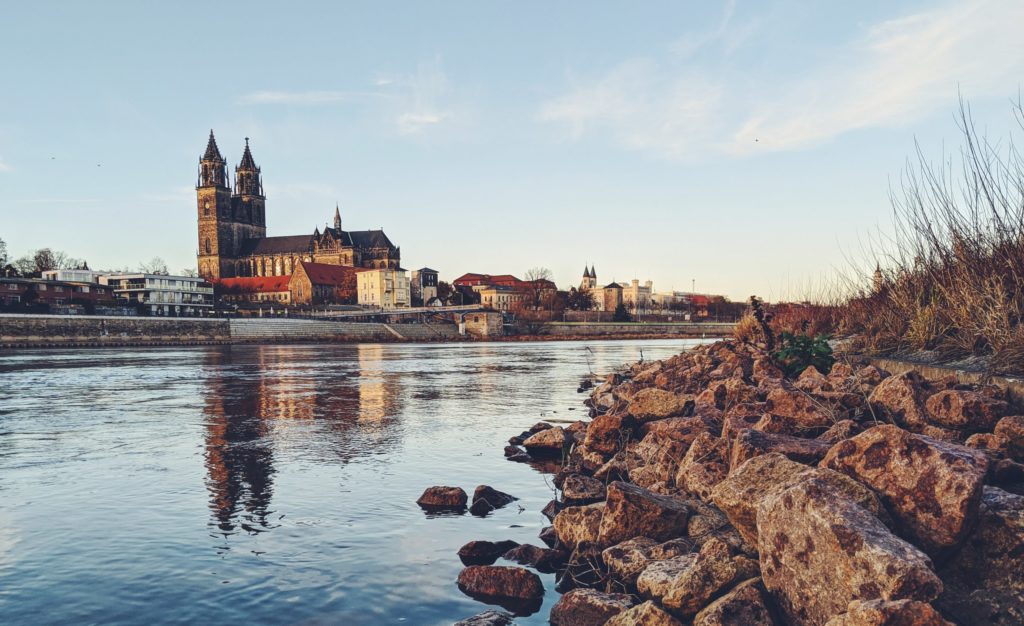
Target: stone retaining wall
column 96, row 330
column 687, row 329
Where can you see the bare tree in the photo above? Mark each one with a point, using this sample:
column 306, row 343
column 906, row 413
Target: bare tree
column 156, row 265
column 3, row 252
column 539, row 288
column 190, row 272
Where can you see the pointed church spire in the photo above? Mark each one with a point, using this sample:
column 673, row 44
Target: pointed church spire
column 212, row 152
column 337, row 217
column 593, row 272
column 247, row 175
column 247, row 161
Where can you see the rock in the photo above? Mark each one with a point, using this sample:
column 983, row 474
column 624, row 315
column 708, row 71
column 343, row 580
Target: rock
column 991, row 558
column 743, row 606
column 644, row 614
column 443, row 498
column 713, row 571
column 782, row 425
column 582, row 490
column 660, row 455
column 632, row 511
column 902, row 399
column 551, row 509
column 807, row 411
column 487, row 618
column 1012, row 428
column 812, row 380
column 579, row 524
column 539, row 426
column 484, row 552
column 994, row 446
column 518, row 440
column 684, row 429
column 487, row 499
column 749, row 443
column 819, row 551
column 549, row 536
column 542, row 559
column 843, row 429
column 626, row 560
column 608, row 433
column 655, row 404
column 520, row 457
column 1007, row 473
column 549, row 442
column 932, row 488
column 889, row 613
column 513, row 450
column 710, row 523
column 739, row 495
column 617, row 467
column 704, row 466
column 965, row 410
column 514, row 588
column 654, row 582
column 577, row 430
column 584, row 569
column 588, row 607
column 765, row 368
column 570, row 468
column 736, row 422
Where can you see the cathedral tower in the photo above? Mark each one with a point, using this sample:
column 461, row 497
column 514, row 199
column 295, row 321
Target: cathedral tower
column 249, row 203
column 214, row 205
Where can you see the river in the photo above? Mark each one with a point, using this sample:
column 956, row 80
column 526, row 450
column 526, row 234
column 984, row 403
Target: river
column 270, row 484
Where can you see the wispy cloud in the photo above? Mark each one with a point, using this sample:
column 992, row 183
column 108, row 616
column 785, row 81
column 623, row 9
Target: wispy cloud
column 304, row 97
column 425, row 98
column 4, row 167
column 894, row 72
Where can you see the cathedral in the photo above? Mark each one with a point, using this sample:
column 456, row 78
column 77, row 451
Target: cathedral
column 233, row 238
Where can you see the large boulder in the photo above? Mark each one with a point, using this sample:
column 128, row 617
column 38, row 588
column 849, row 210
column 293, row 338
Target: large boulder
column 507, row 586
column 931, row 487
column 965, row 410
column 548, row 442
column 655, row 404
column 579, row 489
column 632, row 511
column 487, row 499
column 608, row 433
column 744, row 605
column 714, row 571
column 819, row 551
column 808, row 412
column 575, row 525
column 739, row 495
column 660, row 454
column 705, row 465
column 644, row 614
column 626, row 560
column 544, row 560
column 902, row 399
column 990, row 560
column 588, row 607
column 656, row 579
column 441, row 497
column 889, row 613
column 684, row 429
column 484, row 552
column 749, row 443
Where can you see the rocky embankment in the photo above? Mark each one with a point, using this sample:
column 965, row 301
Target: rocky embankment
column 707, row 489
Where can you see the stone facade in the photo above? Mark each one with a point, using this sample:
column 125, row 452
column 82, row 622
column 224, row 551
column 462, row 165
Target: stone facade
column 232, row 229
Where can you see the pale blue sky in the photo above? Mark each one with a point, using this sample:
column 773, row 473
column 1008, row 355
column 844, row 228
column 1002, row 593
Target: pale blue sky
column 746, row 146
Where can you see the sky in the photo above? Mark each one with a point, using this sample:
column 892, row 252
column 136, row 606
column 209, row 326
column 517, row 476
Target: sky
column 738, row 147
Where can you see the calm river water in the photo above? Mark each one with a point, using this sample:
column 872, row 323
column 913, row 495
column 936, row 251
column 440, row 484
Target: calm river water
column 269, row 484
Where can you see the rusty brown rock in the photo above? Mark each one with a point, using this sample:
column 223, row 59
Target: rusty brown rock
column 819, row 551
column 765, row 369
column 901, row 398
column 889, row 613
column 744, row 605
column 654, row 582
column 812, row 380
column 994, row 446
column 579, row 489
column 713, row 571
column 810, row 411
column 544, row 560
column 704, row 466
column 783, row 425
column 625, row 561
column 655, row 404
column 1012, row 428
column 549, row 442
column 932, row 488
column 487, row 499
column 575, row 525
column 441, row 497
column 493, row 582
column 632, row 511
column 588, row 607
column 683, row 429
column 484, row 552
column 607, row 434
column 965, row 410
column 739, row 495
column 644, row 614
column 843, row 429
column 749, row 443
column 617, row 467
column 660, row 454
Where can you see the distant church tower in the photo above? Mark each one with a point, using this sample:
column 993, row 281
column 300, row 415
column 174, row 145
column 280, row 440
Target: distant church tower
column 589, row 281
column 226, row 220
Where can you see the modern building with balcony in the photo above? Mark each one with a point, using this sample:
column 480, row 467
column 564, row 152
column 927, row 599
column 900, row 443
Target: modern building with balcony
column 161, row 295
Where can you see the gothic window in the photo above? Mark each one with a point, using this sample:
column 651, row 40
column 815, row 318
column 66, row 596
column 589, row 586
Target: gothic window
column 206, row 208
column 208, row 247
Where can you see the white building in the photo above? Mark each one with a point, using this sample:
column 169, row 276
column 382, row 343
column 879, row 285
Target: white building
column 383, row 288
column 163, row 295
column 73, row 275
column 637, row 297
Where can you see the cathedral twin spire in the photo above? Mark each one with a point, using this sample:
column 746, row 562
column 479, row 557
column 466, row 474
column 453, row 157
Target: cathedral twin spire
column 213, row 170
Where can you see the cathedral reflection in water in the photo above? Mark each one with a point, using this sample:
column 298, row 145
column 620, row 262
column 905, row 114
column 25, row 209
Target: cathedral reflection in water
column 338, row 406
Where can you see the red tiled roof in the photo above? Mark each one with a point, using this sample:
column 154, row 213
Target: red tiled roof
column 255, row 284
column 326, row 274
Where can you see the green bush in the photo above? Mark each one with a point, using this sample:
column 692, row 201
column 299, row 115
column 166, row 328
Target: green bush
column 798, row 352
